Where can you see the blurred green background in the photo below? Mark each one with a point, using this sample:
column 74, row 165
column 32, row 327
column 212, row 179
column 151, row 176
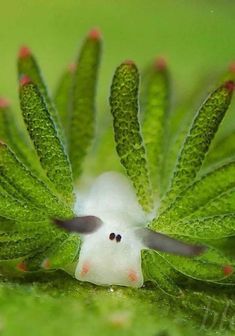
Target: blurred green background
column 194, row 36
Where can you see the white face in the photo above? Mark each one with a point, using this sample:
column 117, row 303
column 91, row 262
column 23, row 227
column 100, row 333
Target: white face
column 111, row 255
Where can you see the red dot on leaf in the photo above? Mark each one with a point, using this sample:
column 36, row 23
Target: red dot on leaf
column 72, row 67
column 160, row 63
column 128, row 62
column 229, row 85
column 24, row 52
column 22, row 266
column 46, row 264
column 24, row 80
column 228, row 269
column 4, row 103
column 232, row 67
column 95, row 34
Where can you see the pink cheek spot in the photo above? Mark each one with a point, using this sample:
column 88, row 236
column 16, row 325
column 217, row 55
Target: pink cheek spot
column 132, row 276
column 85, row 269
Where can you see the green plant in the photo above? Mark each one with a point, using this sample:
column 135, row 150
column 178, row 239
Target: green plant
column 37, row 178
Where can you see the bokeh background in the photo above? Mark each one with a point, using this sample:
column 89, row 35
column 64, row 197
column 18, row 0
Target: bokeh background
column 196, row 37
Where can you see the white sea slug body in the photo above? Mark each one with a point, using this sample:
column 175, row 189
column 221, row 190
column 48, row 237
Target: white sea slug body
column 112, row 254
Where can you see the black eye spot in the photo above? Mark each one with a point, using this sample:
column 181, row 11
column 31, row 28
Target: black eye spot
column 112, row 236
column 118, row 238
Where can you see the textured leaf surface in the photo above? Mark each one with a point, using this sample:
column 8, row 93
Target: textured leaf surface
column 155, row 106
column 199, row 138
column 158, row 271
column 28, row 185
column 215, row 227
column 208, row 267
column 129, row 142
column 28, row 66
column 46, row 141
column 209, row 187
column 82, row 127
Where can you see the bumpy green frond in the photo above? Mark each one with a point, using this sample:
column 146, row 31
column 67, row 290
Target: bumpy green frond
column 40, row 260
column 10, row 134
column 63, row 96
column 158, row 271
column 45, row 138
column 208, row 267
column 19, row 244
column 155, row 106
column 12, row 170
column 224, row 203
column 215, row 227
column 129, row 142
column 197, row 142
column 65, row 253
column 13, row 208
column 82, row 127
column 209, row 187
column 28, row 66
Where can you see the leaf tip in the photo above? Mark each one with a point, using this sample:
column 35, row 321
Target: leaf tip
column 24, row 52
column 227, row 270
column 24, row 80
column 46, row 264
column 4, row 103
column 128, row 62
column 229, row 85
column 232, row 67
column 21, row 266
column 160, row 63
column 94, row 34
column 72, row 67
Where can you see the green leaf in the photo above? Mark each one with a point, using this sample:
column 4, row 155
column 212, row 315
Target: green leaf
column 197, row 142
column 128, row 138
column 12, row 170
column 16, row 139
column 66, row 253
column 41, row 259
column 210, row 266
column 224, row 203
column 82, row 121
column 155, row 115
column 12, row 208
column 47, row 143
column 156, row 270
column 63, row 97
column 28, row 66
column 215, row 227
column 209, row 187
column 19, row 244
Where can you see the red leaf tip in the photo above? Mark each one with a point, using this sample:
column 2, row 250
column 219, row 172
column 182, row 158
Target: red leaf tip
column 22, row 266
column 160, row 63
column 46, row 264
column 24, row 52
column 228, row 269
column 229, row 85
column 72, row 67
column 4, row 103
column 24, row 80
column 232, row 67
column 95, row 34
column 128, row 62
